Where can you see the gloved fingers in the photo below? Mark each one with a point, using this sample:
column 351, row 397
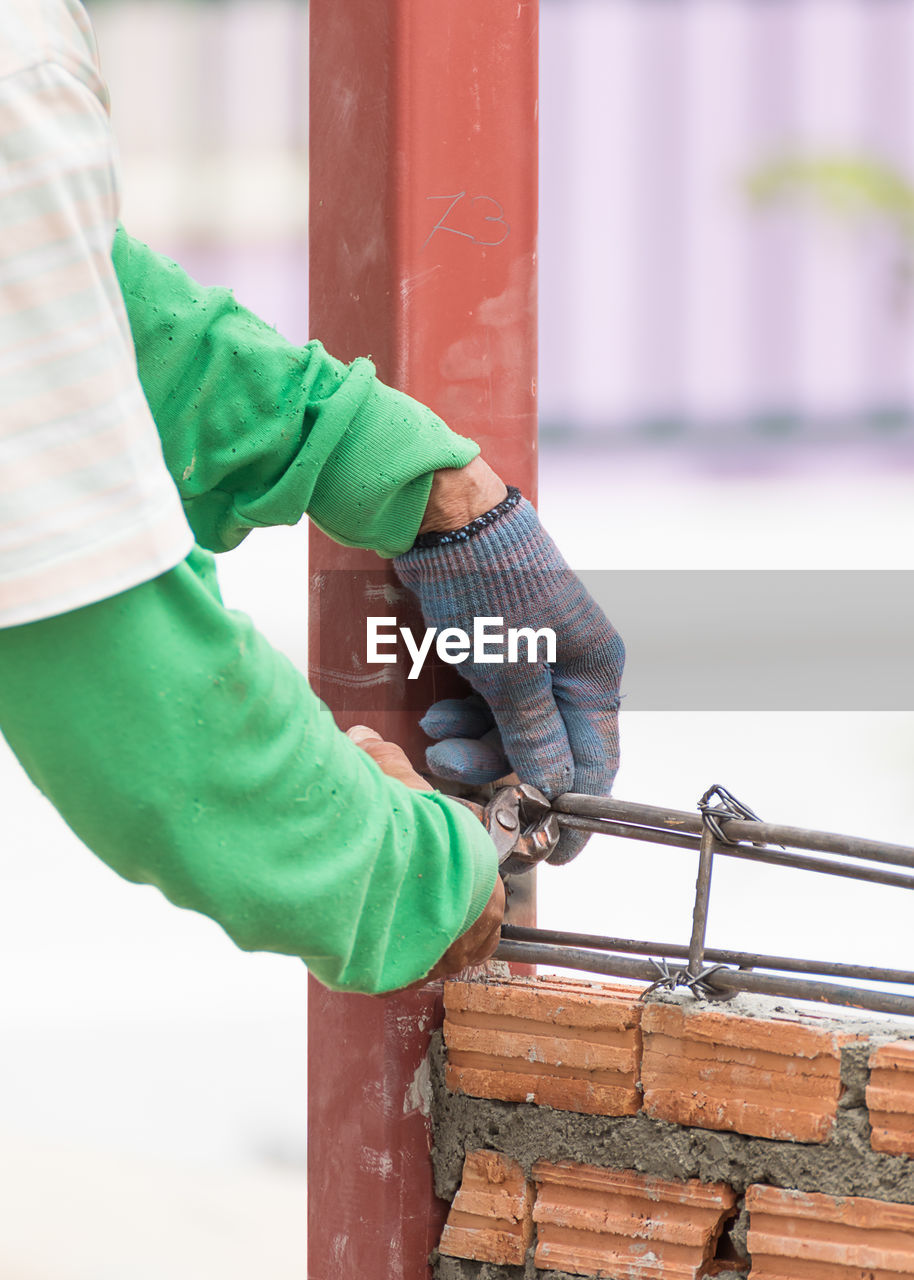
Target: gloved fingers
column 533, row 732
column 468, row 748
column 569, row 846
column 593, row 734
column 473, row 761
column 590, row 778
column 457, row 718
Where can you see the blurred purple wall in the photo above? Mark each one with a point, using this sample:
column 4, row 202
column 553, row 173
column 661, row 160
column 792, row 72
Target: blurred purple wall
column 667, row 299
column 670, row 305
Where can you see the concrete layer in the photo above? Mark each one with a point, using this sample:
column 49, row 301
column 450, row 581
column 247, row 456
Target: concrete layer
column 844, row 1166
column 458, row 1269
column 738, row 1231
column 461, row 1269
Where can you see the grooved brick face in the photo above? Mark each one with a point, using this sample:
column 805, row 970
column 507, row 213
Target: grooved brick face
column 589, row 1221
column 571, row 1045
column 798, row 1236
column 715, row 1069
column 890, row 1098
column 599, row 1222
column 491, row 1217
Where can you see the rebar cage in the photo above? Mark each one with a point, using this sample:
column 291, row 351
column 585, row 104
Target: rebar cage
column 722, row 826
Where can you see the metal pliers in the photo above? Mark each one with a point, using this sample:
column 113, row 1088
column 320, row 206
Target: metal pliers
column 522, row 826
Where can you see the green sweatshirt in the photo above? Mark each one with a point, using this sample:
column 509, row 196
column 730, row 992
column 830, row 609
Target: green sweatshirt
column 256, row 431
column 175, row 742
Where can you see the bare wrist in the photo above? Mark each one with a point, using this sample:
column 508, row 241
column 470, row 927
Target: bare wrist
column 460, row 494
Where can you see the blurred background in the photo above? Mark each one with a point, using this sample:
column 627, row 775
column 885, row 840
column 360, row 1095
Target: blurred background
column 727, row 381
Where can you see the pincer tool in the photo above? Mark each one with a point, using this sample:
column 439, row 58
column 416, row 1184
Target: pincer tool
column 522, row 824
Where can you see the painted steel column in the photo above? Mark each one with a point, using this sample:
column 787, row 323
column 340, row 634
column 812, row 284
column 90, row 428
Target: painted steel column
column 423, row 252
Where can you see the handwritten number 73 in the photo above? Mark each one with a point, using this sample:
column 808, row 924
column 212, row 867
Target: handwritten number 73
column 461, row 206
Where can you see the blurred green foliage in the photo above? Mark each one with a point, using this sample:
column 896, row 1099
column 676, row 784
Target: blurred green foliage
column 853, row 188
column 850, row 186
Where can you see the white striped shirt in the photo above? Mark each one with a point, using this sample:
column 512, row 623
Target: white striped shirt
column 87, row 508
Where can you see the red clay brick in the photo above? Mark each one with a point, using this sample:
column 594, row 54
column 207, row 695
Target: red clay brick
column 599, row 1222
column 890, row 1098
column 491, row 1217
column 715, row 1069
column 571, row 1045
column 799, row 1236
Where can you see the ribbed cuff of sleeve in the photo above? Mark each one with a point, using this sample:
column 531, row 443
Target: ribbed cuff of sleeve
column 373, row 489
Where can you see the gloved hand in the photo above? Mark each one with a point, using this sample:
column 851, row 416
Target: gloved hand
column 555, row 722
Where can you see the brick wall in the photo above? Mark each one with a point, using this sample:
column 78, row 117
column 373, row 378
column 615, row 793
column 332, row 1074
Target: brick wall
column 582, row 1131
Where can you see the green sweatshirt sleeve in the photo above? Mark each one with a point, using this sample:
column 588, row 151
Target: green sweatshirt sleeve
column 190, row 755
column 257, row 431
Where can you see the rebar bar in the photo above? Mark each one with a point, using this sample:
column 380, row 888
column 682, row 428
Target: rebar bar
column 702, row 897
column 572, row 958
column 724, row 980
column 675, row 951
column 644, row 815
column 746, row 852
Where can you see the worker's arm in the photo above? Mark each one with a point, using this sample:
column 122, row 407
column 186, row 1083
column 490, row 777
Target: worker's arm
column 257, row 431
column 169, row 735
column 188, row 754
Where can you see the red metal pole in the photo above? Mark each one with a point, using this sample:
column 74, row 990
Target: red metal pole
column 423, row 253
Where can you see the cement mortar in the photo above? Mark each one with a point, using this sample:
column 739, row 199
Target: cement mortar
column 855, row 1073
column 844, row 1166
column 461, row 1269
